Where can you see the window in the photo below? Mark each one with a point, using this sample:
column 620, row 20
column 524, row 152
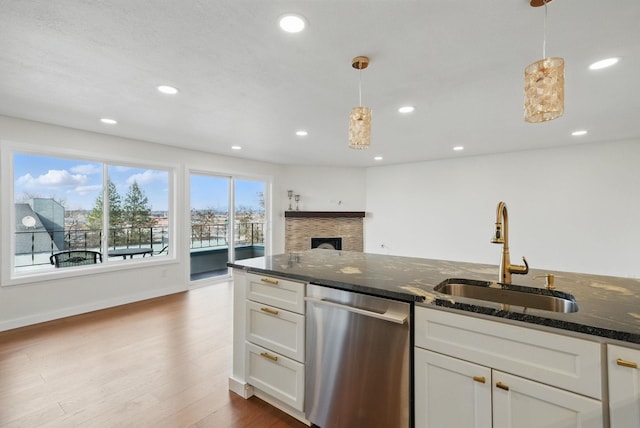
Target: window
column 63, row 205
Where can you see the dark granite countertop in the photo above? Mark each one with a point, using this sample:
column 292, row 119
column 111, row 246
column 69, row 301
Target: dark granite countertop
column 609, row 307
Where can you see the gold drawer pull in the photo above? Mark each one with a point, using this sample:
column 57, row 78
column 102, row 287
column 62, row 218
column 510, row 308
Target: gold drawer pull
column 270, row 281
column 270, row 311
column 502, row 386
column 480, row 379
column 625, row 363
column 269, row 356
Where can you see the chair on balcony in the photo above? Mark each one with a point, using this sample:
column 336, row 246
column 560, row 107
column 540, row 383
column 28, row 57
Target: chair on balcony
column 75, row 258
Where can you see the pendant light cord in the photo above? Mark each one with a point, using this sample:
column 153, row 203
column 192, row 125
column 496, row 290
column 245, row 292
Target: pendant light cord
column 360, row 85
column 544, row 40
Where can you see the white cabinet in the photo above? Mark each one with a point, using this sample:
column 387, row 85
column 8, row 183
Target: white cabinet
column 274, row 334
column 280, row 377
column 624, row 386
column 523, row 403
column 276, row 329
column 278, row 292
column 451, row 392
column 531, row 378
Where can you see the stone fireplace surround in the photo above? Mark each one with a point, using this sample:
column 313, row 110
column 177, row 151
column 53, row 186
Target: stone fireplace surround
column 301, row 226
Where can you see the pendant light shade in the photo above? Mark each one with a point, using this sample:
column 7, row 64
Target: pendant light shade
column 544, row 90
column 360, row 128
column 360, row 117
column 544, row 82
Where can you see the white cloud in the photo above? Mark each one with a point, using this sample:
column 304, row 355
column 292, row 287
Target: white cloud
column 54, row 178
column 149, row 176
column 87, row 169
column 86, row 190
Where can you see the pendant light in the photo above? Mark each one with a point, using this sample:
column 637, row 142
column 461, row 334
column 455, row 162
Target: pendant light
column 360, row 117
column 544, row 82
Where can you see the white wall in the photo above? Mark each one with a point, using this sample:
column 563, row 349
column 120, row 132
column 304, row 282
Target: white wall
column 42, row 300
column 573, row 209
column 323, row 188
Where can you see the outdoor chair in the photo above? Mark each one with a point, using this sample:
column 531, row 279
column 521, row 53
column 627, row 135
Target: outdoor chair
column 75, row 258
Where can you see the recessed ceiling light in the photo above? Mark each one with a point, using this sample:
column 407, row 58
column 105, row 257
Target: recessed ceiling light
column 578, row 133
column 458, row 148
column 302, row 133
column 378, row 158
column 292, row 23
column 603, row 63
column 406, row 109
column 169, row 90
column 108, row 121
column 236, row 147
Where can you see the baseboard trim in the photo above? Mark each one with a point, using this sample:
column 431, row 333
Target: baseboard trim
column 86, row 308
column 282, row 406
column 243, row 389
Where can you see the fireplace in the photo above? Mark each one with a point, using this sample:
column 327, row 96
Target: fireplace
column 302, row 227
column 327, row 243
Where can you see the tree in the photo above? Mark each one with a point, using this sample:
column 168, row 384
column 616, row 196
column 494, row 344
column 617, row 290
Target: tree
column 137, row 212
column 95, row 216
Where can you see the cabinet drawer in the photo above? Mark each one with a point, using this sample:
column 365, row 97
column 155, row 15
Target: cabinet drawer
column 278, row 376
column 277, row 292
column 276, row 329
column 565, row 362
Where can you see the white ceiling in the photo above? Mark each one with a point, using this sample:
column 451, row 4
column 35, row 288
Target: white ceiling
column 244, row 82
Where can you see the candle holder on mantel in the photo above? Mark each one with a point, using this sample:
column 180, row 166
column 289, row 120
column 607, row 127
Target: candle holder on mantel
column 297, row 198
column 290, row 194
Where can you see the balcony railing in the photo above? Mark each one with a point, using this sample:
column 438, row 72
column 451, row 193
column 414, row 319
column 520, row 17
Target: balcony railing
column 34, row 247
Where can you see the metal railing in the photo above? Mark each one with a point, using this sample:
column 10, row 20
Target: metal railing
column 216, row 235
column 33, row 247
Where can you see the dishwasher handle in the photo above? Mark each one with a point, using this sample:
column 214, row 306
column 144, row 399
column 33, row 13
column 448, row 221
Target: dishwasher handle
column 394, row 317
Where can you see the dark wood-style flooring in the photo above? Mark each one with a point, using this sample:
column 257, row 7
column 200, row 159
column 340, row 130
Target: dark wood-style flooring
column 163, row 362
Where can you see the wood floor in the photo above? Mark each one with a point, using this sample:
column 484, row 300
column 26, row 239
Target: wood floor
column 160, row 363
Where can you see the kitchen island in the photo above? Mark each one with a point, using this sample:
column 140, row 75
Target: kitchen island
column 609, row 307
column 607, row 322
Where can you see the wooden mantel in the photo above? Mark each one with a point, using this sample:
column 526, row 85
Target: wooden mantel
column 325, row 214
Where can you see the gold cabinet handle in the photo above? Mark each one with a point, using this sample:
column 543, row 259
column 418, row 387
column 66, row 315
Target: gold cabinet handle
column 270, row 281
column 480, row 379
column 270, row 311
column 502, row 386
column 625, row 363
column 269, row 356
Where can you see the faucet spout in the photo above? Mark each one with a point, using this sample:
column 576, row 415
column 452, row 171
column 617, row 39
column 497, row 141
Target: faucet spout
column 501, row 236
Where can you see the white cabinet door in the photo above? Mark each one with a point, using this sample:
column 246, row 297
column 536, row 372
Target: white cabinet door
column 451, row 392
column 521, row 403
column 553, row 359
column 624, row 386
column 276, row 375
column 276, row 329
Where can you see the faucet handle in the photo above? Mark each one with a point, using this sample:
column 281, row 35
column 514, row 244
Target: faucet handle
column 518, row 269
column 548, row 280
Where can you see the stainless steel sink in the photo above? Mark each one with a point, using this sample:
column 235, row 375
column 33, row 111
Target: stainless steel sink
column 509, row 294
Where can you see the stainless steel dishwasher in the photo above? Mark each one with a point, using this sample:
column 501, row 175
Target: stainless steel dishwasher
column 357, row 360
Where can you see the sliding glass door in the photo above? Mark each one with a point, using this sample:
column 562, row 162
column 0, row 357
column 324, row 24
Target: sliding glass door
column 228, row 220
column 249, row 219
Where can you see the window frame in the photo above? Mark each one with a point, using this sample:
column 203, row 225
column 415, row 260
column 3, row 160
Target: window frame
column 10, row 277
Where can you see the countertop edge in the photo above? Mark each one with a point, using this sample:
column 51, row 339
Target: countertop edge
column 404, row 297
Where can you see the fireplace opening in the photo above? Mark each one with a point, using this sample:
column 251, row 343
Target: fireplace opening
column 327, row 243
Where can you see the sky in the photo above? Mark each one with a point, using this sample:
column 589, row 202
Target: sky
column 78, row 183
column 209, row 192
